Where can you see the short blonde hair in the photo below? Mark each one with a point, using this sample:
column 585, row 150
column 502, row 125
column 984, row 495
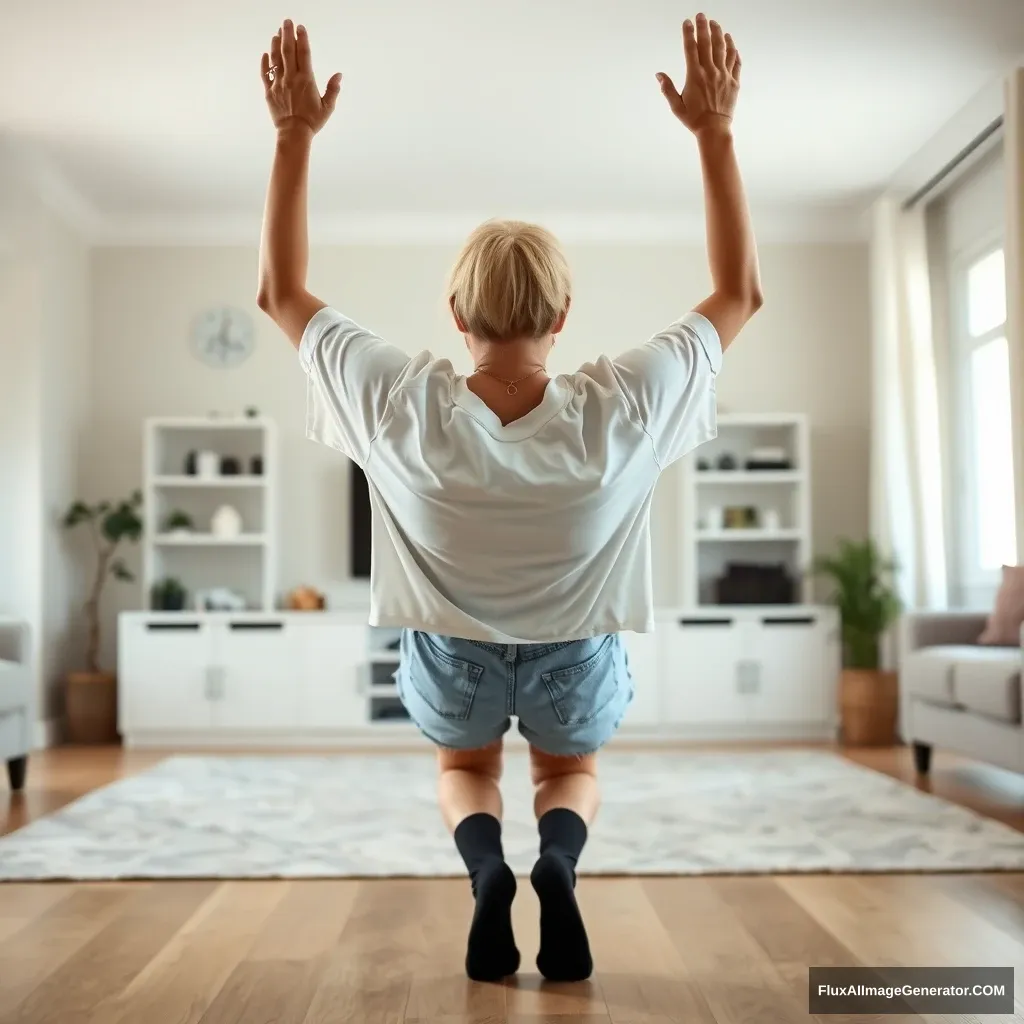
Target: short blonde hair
column 511, row 280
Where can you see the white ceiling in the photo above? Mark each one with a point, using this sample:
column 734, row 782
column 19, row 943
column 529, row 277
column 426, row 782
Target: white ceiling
column 456, row 109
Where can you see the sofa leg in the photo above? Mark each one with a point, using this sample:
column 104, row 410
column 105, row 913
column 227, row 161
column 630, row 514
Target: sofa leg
column 922, row 757
column 17, row 767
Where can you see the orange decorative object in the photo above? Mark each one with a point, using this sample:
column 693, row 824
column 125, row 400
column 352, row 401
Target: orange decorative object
column 306, row 599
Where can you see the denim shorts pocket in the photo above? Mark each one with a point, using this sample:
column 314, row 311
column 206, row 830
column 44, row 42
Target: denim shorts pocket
column 582, row 691
column 445, row 683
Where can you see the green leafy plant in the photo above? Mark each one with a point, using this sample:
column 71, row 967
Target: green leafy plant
column 864, row 594
column 111, row 524
column 169, row 595
column 178, row 520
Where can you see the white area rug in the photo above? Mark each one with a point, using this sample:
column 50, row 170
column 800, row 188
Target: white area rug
column 680, row 814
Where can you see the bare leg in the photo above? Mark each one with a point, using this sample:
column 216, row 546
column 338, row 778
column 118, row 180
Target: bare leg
column 569, row 782
column 471, row 805
column 566, row 801
column 468, row 783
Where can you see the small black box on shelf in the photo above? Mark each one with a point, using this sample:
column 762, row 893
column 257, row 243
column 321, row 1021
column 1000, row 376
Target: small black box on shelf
column 747, row 583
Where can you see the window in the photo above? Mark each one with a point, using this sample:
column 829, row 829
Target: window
column 986, row 532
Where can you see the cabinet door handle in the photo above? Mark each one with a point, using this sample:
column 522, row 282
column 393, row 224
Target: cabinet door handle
column 154, row 627
column 748, row 677
column 705, row 622
column 265, row 626
column 789, row 620
column 214, row 682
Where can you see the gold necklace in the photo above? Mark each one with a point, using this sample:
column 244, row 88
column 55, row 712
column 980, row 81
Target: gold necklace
column 510, row 388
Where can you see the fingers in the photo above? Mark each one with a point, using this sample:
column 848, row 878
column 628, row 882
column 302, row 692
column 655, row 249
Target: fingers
column 288, row 47
column 731, row 52
column 330, row 96
column 704, row 41
column 303, row 58
column 276, row 60
column 690, row 46
column 669, row 91
column 265, row 72
column 717, row 45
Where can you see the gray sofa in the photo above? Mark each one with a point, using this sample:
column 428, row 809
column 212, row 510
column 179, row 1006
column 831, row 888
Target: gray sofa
column 15, row 700
column 956, row 694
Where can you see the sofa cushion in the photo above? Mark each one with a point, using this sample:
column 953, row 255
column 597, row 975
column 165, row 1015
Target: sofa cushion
column 1004, row 624
column 928, row 674
column 13, row 686
column 987, row 682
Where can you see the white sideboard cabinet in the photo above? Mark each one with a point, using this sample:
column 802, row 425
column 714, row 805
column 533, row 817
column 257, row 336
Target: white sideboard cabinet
column 321, row 678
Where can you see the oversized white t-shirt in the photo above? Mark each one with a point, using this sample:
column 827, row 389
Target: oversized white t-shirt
column 535, row 531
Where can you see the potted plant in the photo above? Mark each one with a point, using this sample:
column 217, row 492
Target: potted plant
column 179, row 522
column 168, row 595
column 91, row 696
column 868, row 605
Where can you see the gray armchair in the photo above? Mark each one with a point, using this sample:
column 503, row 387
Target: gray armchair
column 957, row 694
column 15, row 700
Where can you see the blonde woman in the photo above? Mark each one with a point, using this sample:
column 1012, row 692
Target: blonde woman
column 511, row 537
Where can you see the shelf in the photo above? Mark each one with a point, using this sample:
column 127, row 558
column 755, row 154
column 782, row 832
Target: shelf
column 385, row 658
column 242, row 480
column 719, row 536
column 209, row 540
column 748, row 476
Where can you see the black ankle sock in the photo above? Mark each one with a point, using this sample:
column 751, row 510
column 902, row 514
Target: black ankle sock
column 564, row 949
column 491, row 952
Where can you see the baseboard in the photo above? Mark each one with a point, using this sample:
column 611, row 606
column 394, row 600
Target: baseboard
column 46, row 733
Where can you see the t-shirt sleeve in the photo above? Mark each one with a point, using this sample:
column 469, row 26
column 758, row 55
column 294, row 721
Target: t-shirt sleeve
column 350, row 375
column 671, row 383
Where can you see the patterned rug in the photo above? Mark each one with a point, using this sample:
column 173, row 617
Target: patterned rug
column 366, row 815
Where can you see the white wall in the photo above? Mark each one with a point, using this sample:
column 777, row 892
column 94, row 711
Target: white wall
column 65, row 385
column 807, row 351
column 44, row 389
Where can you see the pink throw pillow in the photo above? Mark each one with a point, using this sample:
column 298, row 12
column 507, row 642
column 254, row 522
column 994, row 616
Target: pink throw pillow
column 1003, row 626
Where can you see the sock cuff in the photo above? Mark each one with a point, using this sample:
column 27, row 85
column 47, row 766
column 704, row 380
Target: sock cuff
column 564, row 828
column 476, row 830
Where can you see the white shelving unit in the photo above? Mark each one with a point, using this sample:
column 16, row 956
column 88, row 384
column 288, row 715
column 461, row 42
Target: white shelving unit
column 707, row 548
column 245, row 564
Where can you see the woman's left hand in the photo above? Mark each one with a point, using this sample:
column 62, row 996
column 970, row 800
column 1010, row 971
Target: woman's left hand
column 288, row 82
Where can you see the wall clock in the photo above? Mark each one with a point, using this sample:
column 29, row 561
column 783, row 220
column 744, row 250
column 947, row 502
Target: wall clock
column 223, row 337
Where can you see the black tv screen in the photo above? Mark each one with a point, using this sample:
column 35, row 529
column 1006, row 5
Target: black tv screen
column 359, row 523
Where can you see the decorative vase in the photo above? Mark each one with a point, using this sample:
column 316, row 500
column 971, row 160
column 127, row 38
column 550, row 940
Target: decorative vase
column 230, row 466
column 208, row 465
column 90, row 707
column 226, row 522
column 868, row 704
column 256, row 465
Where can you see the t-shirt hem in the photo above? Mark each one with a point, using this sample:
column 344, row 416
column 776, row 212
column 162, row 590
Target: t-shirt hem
column 461, row 631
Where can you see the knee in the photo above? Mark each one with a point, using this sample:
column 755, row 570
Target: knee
column 485, row 761
column 545, row 767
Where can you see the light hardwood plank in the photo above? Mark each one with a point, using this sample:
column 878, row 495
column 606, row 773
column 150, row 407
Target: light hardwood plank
column 307, row 922
column 266, row 992
column 733, row 973
column 21, row 904
column 104, row 966
column 35, row 952
column 181, row 982
column 367, row 976
column 792, row 938
column 640, row 974
column 439, row 986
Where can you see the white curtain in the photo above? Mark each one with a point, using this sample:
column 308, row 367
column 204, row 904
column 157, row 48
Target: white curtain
column 907, row 515
column 1013, row 149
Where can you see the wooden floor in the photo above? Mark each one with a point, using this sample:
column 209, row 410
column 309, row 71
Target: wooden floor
column 731, row 950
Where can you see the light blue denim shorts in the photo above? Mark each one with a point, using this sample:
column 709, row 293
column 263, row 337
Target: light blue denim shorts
column 569, row 697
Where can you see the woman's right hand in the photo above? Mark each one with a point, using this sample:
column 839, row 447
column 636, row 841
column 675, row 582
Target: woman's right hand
column 708, row 96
